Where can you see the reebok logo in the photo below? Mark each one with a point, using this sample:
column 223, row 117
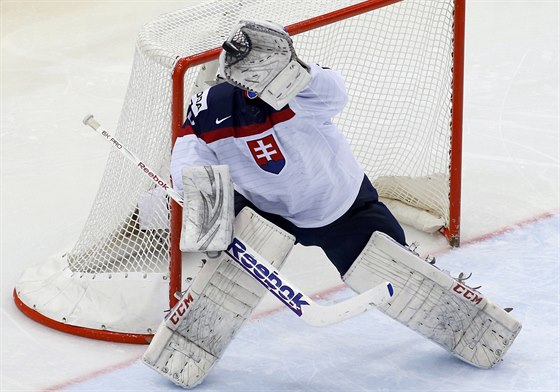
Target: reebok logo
column 237, row 250
column 221, row 120
column 152, row 175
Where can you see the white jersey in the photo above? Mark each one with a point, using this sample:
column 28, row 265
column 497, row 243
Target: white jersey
column 293, row 162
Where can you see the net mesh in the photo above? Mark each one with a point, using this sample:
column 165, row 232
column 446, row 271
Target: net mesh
column 397, row 64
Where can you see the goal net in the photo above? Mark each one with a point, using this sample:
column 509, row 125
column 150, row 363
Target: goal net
column 402, row 64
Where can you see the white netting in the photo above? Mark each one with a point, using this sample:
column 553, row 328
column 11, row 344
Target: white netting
column 397, row 64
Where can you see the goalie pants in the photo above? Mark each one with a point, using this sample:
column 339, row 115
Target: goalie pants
column 342, row 240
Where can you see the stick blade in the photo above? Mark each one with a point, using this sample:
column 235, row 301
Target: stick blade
column 321, row 316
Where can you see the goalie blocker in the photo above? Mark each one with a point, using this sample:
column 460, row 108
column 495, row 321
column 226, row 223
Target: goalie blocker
column 208, row 211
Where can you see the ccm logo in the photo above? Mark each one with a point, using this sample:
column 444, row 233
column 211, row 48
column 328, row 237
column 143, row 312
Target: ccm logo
column 181, row 309
column 468, row 294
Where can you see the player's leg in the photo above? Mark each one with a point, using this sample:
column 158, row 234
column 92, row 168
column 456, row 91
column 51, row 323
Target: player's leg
column 367, row 246
column 196, row 332
column 343, row 240
column 429, row 301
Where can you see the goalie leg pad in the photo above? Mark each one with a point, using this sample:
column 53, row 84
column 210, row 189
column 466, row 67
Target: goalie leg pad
column 198, row 329
column 432, row 303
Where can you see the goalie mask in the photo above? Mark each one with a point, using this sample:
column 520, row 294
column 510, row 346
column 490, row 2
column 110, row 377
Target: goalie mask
column 260, row 57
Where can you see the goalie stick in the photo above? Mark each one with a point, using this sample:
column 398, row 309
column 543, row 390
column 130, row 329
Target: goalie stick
column 93, row 124
column 261, row 269
column 293, row 298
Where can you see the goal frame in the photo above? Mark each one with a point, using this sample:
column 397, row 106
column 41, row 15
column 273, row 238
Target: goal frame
column 179, row 71
column 452, row 233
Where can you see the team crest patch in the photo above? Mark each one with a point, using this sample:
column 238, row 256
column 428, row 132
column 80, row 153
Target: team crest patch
column 267, row 154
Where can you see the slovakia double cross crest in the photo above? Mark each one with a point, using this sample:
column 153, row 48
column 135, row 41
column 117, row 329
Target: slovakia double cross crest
column 267, row 154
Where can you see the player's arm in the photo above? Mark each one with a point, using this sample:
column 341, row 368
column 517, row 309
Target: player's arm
column 259, row 56
column 325, row 96
column 189, row 150
column 207, row 190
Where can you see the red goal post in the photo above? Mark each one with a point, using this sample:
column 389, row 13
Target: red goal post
column 402, row 61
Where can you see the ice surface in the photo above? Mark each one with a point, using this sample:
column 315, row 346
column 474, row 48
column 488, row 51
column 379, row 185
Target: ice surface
column 62, row 60
column 372, row 352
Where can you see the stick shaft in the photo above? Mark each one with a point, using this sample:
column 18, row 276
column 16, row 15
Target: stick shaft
column 93, row 124
column 296, row 300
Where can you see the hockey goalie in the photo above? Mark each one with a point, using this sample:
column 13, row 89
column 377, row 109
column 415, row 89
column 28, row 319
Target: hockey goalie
column 261, row 166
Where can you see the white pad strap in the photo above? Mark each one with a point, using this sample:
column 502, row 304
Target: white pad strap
column 198, row 329
column 208, row 209
column 429, row 301
column 259, row 56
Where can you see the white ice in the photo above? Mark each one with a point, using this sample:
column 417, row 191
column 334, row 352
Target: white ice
column 372, row 352
column 62, row 60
